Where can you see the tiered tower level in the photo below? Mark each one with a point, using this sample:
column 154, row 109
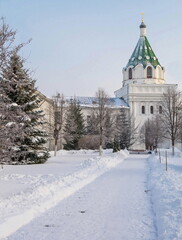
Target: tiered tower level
column 143, row 65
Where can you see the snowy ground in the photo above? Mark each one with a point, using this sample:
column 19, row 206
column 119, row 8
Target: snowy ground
column 78, row 195
column 28, row 191
column 166, row 194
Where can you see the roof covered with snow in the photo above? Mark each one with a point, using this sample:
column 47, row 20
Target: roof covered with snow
column 93, row 102
column 143, row 53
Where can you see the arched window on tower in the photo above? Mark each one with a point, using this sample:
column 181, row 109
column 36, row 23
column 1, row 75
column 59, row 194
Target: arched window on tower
column 130, row 73
column 149, row 72
column 151, row 109
column 143, row 109
column 160, row 109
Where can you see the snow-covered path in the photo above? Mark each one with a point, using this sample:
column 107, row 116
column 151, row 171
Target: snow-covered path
column 115, row 206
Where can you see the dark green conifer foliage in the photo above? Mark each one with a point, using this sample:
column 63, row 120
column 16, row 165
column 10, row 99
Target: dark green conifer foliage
column 11, row 117
column 109, row 130
column 116, row 146
column 126, row 130
column 74, row 127
column 123, row 129
column 20, row 88
column 92, row 125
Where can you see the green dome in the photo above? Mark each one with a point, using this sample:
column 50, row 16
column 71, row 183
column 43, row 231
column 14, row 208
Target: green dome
column 143, row 54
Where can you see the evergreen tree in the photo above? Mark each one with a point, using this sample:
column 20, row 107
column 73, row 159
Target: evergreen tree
column 108, row 130
column 92, row 125
column 124, row 129
column 116, row 146
column 20, row 89
column 74, row 127
column 11, row 117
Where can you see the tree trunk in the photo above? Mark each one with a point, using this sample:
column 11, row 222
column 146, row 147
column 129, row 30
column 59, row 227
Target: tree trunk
column 100, row 150
column 55, row 147
column 61, row 140
column 100, row 144
column 55, row 150
column 172, row 147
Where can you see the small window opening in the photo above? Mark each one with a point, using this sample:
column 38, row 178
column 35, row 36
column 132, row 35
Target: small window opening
column 151, row 109
column 149, row 72
column 160, row 109
column 130, row 73
column 143, row 109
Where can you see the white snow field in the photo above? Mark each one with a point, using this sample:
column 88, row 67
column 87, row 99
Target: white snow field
column 166, row 193
column 28, row 191
column 78, row 195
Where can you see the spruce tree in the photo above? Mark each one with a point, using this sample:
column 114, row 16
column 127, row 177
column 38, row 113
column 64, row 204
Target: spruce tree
column 92, row 125
column 109, row 130
column 126, row 130
column 20, row 89
column 116, row 146
column 123, row 129
column 74, row 127
column 11, row 126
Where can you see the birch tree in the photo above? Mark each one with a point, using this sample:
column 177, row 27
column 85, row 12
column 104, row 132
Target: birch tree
column 152, row 133
column 171, row 104
column 59, row 115
column 7, row 43
column 101, row 113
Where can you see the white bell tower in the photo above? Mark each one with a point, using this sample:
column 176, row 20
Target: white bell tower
column 143, row 65
column 143, row 84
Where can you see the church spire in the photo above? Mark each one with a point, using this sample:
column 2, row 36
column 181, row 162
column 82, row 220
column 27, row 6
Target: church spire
column 143, row 53
column 142, row 27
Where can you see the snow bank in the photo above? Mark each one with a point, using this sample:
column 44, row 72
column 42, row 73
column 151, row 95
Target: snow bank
column 79, row 152
column 21, row 208
column 166, row 193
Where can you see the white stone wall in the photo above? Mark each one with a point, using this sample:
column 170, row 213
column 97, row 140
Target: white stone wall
column 147, row 95
column 47, row 107
column 143, row 32
column 139, row 75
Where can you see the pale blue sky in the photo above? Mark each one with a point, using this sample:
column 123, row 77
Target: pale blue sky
column 80, row 45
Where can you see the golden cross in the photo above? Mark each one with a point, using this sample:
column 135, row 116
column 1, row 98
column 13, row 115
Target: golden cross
column 142, row 14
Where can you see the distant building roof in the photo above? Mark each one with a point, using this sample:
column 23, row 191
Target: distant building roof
column 93, row 102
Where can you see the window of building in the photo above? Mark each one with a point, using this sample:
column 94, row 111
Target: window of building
column 143, row 109
column 149, row 72
column 130, row 73
column 160, row 109
column 151, row 109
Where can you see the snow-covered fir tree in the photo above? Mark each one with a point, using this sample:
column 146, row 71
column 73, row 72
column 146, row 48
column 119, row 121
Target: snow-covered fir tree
column 92, row 125
column 116, row 145
column 11, row 126
column 124, row 129
column 109, row 129
column 20, row 90
column 74, row 125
